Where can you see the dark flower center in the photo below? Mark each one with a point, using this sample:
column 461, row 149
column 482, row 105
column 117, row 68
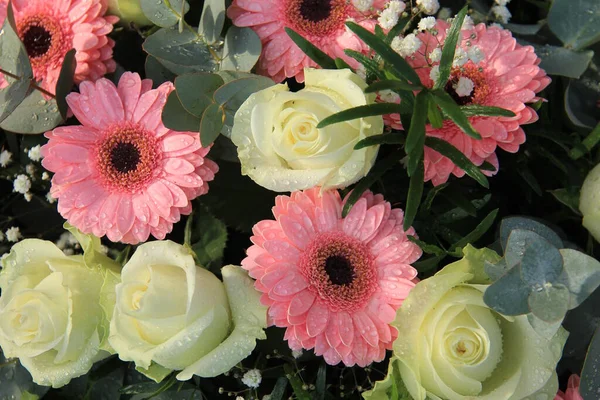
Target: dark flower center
column 339, row 270
column 124, row 157
column 37, row 41
column 315, row 10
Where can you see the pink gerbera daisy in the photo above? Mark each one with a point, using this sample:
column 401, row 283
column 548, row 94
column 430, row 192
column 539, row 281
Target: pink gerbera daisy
column 49, row 29
column 335, row 283
column 572, row 392
column 320, row 22
column 123, row 174
column 503, row 74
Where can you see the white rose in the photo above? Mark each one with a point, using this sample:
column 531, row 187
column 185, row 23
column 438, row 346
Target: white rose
column 51, row 308
column 172, row 315
column 589, row 202
column 280, row 147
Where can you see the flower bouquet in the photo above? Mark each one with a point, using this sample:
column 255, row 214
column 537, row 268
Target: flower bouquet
column 299, row 199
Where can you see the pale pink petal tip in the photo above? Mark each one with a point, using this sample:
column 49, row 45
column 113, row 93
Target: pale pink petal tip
column 504, row 74
column 334, row 283
column 122, row 173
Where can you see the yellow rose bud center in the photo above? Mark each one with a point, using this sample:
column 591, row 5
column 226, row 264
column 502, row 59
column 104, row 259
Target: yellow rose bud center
column 464, row 346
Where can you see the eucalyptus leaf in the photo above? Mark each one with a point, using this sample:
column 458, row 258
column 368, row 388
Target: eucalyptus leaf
column 575, row 22
column 164, row 13
column 15, row 380
column 549, row 304
column 64, row 85
column 495, row 271
column 14, row 60
column 543, row 328
column 156, row 71
column 508, row 295
column 541, row 264
column 181, row 49
column 525, row 29
column 195, row 91
column 581, row 97
column 582, row 274
column 212, row 20
column 241, row 49
column 562, row 61
column 511, row 223
column 176, row 117
column 34, row 115
column 518, row 241
column 211, row 124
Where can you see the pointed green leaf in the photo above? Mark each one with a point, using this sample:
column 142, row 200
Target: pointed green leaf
column 448, row 150
column 64, row 85
column 370, row 65
column 478, row 232
column 449, row 48
column 453, row 111
column 385, row 138
column 416, row 132
column 477, row 110
column 313, row 52
column 590, row 378
column 296, row 383
column 398, row 65
column 397, row 29
column 391, row 84
column 376, row 172
column 368, row 110
column 415, row 192
column 434, row 115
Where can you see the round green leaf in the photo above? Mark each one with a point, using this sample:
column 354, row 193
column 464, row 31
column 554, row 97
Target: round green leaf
column 195, row 91
column 164, row 13
column 182, row 49
column 583, row 275
column 590, row 376
column 156, row 71
column 576, row 23
column 34, row 115
column 509, row 224
column 241, row 50
column 175, row 116
column 211, row 124
column 212, row 20
column 562, row 61
column 14, row 60
column 542, row 263
column 509, row 294
column 550, row 303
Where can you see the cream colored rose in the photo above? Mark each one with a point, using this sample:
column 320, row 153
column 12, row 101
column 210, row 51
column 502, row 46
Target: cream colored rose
column 280, row 147
column 172, row 315
column 51, row 308
column 589, row 202
column 452, row 346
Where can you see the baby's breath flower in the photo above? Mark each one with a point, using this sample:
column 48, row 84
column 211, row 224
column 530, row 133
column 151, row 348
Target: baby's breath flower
column 464, row 86
column 35, row 153
column 475, row 54
column 5, row 158
column 426, row 23
column 435, row 55
column 21, row 184
column 410, row 44
column 13, row 234
column 460, row 57
column 501, row 13
column 429, row 7
column 362, row 5
column 434, row 74
column 252, row 378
